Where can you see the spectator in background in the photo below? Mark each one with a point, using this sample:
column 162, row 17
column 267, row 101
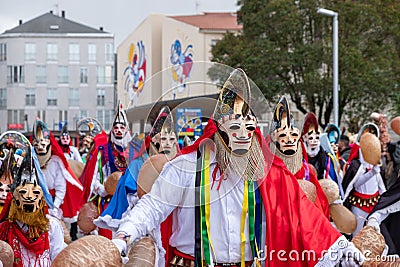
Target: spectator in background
column 344, row 150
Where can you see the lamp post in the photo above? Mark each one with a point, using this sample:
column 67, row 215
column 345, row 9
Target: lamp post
column 334, row 15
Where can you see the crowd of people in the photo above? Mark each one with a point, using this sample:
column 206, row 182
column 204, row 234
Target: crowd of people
column 232, row 198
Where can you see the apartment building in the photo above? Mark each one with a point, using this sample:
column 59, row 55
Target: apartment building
column 58, row 70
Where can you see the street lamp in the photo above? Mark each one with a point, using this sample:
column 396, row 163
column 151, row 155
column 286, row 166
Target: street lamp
column 334, row 14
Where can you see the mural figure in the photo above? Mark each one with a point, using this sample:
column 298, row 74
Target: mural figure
column 182, row 62
column 135, row 72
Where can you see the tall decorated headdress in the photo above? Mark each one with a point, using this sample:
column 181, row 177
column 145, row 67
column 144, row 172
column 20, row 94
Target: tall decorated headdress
column 64, row 130
column 120, row 115
column 120, row 134
column 40, row 130
column 282, row 114
column 234, row 98
column 13, row 147
column 164, row 124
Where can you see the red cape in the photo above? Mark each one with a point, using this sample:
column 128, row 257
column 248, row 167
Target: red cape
column 294, row 225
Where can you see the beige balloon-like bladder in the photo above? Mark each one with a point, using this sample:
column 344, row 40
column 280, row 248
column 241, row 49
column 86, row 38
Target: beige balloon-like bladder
column 77, row 167
column 6, row 254
column 142, row 254
column 343, row 218
column 112, row 181
column 87, row 214
column 367, row 239
column 395, row 125
column 149, row 173
column 370, row 148
column 309, row 189
column 331, row 189
column 89, row 251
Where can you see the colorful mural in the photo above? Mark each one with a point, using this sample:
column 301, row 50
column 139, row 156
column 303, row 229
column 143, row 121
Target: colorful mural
column 135, row 72
column 182, row 62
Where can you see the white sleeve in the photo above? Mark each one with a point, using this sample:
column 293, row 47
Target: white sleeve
column 75, row 154
column 60, row 184
column 166, row 194
column 380, row 215
column 56, row 236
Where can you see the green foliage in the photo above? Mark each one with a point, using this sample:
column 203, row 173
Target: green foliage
column 286, row 48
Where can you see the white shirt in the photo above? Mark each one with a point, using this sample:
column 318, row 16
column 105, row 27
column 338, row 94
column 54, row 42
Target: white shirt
column 56, row 236
column 173, row 192
column 54, row 174
column 73, row 154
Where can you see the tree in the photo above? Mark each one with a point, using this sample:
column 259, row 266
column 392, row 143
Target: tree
column 286, row 48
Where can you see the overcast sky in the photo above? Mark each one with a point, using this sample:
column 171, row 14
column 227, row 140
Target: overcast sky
column 120, row 17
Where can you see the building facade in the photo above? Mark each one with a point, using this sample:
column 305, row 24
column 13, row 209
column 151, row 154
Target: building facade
column 58, row 70
column 165, row 61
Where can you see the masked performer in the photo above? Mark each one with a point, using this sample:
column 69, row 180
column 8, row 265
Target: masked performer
column 210, row 190
column 36, row 238
column 70, row 152
column 61, row 181
column 88, row 128
column 362, row 182
column 285, row 142
column 161, row 140
column 108, row 158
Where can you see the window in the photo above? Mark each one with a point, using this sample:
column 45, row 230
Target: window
column 52, row 96
column 52, row 52
column 62, row 74
column 109, row 71
column 30, row 52
column 101, row 74
column 92, row 52
column 30, row 97
column 41, row 74
column 109, row 52
column 73, row 52
column 84, row 75
column 3, row 97
column 101, row 95
column 15, row 74
column 105, row 117
column 16, row 118
column 214, row 42
column 3, row 52
column 73, row 100
column 83, row 113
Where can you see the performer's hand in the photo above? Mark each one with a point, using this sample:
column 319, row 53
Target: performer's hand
column 374, row 223
column 352, row 256
column 122, row 247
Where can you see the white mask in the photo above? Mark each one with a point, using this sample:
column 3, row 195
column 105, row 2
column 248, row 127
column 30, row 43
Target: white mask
column 311, row 139
column 240, row 132
column 286, row 138
column 167, row 141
